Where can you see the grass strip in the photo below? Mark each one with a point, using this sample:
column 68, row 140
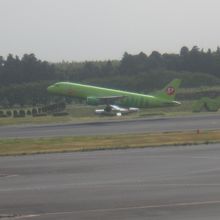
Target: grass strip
column 72, row 144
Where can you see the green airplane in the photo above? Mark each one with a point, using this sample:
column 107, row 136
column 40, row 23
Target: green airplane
column 117, row 101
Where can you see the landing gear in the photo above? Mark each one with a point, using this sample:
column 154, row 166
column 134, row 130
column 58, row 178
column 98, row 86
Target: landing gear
column 108, row 108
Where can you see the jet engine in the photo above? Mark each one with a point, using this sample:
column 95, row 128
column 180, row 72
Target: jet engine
column 92, row 101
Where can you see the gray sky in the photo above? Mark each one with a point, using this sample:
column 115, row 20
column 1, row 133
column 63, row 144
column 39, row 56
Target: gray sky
column 79, row 30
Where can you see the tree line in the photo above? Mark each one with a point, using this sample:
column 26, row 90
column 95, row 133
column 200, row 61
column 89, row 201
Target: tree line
column 23, row 81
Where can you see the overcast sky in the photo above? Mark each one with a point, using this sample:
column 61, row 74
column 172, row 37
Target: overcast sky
column 78, row 30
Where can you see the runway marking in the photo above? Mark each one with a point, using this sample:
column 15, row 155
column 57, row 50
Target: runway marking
column 5, row 175
column 129, row 208
column 205, row 171
column 112, row 183
column 19, row 217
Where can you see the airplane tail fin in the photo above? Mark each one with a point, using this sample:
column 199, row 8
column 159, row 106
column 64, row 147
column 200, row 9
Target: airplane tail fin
column 169, row 91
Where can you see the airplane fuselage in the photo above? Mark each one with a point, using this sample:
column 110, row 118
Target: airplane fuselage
column 88, row 92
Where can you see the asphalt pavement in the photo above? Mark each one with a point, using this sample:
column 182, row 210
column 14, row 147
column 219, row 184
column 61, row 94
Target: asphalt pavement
column 164, row 183
column 140, row 125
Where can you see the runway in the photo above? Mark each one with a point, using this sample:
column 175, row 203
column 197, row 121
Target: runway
column 141, row 125
column 154, row 183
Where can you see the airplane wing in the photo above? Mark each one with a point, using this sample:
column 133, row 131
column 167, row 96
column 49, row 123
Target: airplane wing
column 109, row 99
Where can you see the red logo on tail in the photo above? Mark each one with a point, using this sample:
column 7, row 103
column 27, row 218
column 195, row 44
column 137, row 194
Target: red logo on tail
column 170, row 91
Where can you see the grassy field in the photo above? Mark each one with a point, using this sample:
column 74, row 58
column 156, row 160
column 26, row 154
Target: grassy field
column 81, row 113
column 71, row 144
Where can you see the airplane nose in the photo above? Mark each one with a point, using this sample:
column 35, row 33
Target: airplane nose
column 50, row 88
